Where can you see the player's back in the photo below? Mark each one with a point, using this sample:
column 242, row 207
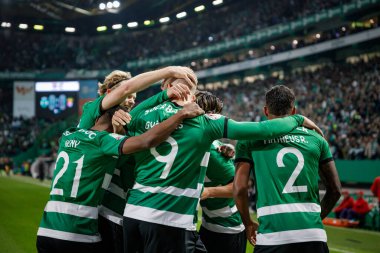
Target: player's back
column 286, row 179
column 169, row 178
column 84, row 157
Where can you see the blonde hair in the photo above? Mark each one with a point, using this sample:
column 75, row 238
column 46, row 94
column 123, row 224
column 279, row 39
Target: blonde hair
column 113, row 80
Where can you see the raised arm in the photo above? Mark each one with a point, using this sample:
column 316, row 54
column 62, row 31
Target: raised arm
column 240, row 193
column 160, row 132
column 330, row 179
column 263, row 130
column 143, row 81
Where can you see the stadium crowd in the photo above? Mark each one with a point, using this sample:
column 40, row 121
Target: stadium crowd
column 344, row 99
column 57, row 51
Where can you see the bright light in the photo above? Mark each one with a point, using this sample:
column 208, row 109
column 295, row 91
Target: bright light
column 5, row 24
column 372, row 21
column 38, row 27
column 101, row 28
column 23, row 26
column 116, row 4
column 318, row 36
column 193, row 63
column 272, row 47
column 109, row 5
column 295, row 42
column 70, row 29
column 217, row 2
column 250, row 52
column 343, row 29
column 132, row 24
column 181, row 14
column 102, row 6
column 164, row 19
column 147, row 22
column 199, row 8
column 210, row 38
column 117, row 26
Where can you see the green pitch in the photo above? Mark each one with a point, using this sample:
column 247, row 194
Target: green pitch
column 23, row 200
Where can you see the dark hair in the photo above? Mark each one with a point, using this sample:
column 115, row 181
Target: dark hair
column 280, row 100
column 208, row 102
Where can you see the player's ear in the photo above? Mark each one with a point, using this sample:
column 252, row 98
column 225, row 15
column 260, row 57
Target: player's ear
column 108, row 91
column 266, row 111
column 294, row 111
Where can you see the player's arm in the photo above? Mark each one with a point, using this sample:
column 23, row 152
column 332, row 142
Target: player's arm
column 178, row 90
column 267, row 129
column 224, row 191
column 143, row 81
column 160, row 132
column 330, row 178
column 240, row 194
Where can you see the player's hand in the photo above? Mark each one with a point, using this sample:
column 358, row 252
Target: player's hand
column 251, row 231
column 191, row 110
column 178, row 91
column 183, row 73
column 205, row 194
column 227, row 150
column 121, row 118
column 311, row 125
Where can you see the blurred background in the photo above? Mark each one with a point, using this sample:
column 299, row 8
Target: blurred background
column 53, row 53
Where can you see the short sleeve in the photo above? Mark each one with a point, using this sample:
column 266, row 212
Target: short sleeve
column 325, row 152
column 216, row 126
column 220, row 170
column 91, row 111
column 112, row 144
column 243, row 152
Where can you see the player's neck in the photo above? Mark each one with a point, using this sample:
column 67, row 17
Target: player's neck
column 103, row 124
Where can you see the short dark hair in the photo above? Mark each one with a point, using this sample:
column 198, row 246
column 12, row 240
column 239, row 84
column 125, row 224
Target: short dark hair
column 208, row 102
column 280, row 100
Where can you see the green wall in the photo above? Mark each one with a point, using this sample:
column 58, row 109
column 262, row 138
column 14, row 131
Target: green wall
column 358, row 171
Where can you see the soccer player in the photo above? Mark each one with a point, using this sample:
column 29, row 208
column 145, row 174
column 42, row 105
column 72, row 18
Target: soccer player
column 222, row 229
column 286, row 178
column 122, row 85
column 163, row 201
column 69, row 222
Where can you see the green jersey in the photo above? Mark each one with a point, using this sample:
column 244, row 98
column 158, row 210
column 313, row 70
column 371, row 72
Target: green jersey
column 91, row 111
column 286, row 178
column 121, row 178
column 220, row 214
column 169, row 178
column 84, row 158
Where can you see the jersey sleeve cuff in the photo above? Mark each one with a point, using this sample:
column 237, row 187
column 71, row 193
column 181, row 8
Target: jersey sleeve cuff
column 244, row 160
column 121, row 146
column 326, row 160
column 225, row 131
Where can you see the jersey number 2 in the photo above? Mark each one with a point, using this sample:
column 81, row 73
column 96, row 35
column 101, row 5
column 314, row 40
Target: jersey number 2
column 78, row 172
column 289, row 186
column 168, row 159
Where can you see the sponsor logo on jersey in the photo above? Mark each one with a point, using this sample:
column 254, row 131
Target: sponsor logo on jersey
column 116, row 136
column 213, row 116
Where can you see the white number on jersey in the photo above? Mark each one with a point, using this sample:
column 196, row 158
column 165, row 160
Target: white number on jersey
column 78, row 172
column 289, row 186
column 168, row 159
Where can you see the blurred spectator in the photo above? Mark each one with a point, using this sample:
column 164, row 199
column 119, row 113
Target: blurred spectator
column 375, row 189
column 347, row 203
column 358, row 211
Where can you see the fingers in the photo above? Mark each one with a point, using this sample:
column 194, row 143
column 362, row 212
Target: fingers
column 121, row 117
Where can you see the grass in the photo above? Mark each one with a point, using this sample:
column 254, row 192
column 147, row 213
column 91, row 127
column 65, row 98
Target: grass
column 23, row 200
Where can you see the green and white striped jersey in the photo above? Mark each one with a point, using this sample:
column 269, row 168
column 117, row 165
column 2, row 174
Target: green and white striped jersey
column 169, row 178
column 220, row 214
column 286, row 179
column 114, row 200
column 84, row 158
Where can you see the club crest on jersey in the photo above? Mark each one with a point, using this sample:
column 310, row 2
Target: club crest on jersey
column 116, row 136
column 213, row 116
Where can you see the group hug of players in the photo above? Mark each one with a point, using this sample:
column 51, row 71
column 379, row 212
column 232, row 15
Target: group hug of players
column 130, row 180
